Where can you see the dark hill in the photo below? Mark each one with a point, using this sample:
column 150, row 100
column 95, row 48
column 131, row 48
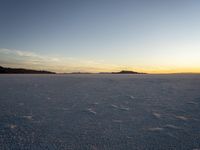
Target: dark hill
column 123, row 72
column 127, row 72
column 4, row 70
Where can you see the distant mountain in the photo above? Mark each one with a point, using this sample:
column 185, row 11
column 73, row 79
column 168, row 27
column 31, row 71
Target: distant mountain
column 126, row 72
column 80, row 73
column 4, row 70
column 123, row 72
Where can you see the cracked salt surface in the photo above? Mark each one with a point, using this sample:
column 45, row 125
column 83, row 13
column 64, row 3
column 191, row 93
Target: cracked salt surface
column 112, row 112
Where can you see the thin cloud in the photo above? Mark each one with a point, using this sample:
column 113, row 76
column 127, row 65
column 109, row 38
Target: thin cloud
column 28, row 54
column 28, row 59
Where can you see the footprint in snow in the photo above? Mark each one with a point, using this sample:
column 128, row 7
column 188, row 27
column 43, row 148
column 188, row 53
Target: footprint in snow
column 114, row 106
column 21, row 104
column 28, row 117
column 12, row 126
column 171, row 126
column 155, row 129
column 157, row 115
column 124, row 108
column 91, row 111
column 117, row 121
column 183, row 118
column 193, row 103
column 120, row 107
column 132, row 97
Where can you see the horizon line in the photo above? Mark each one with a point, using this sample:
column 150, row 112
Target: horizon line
column 101, row 72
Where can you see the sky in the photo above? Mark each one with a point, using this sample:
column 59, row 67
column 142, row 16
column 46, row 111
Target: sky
column 153, row 36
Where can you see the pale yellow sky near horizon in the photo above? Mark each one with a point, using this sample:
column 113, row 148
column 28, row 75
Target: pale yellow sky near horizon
column 185, row 63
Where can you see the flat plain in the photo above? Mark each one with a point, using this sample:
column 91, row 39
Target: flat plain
column 99, row 112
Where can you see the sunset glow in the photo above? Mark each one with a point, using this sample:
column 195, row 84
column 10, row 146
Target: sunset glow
column 103, row 36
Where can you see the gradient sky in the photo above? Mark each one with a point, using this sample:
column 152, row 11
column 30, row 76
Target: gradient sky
column 154, row 36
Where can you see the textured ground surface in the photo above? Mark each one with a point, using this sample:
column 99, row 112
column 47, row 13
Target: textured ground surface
column 97, row 112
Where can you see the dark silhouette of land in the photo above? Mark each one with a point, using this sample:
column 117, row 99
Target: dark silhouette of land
column 120, row 72
column 4, row 70
column 80, row 73
column 127, row 72
column 123, row 72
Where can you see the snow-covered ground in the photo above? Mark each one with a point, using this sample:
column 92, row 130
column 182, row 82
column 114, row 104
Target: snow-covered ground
column 99, row 112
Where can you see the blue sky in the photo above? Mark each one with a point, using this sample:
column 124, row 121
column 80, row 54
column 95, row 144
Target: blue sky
column 154, row 36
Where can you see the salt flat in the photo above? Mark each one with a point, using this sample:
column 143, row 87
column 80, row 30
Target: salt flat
column 97, row 112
